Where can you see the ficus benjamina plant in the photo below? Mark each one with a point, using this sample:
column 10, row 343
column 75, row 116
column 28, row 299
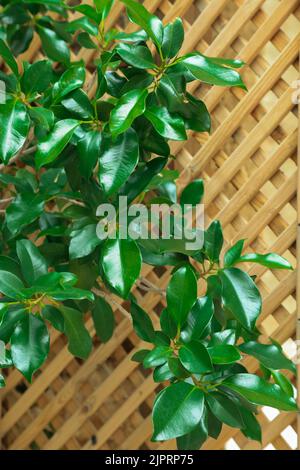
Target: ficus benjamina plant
column 68, row 144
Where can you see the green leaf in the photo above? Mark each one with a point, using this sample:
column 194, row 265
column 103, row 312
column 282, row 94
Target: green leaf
column 181, row 293
column 270, row 355
column 104, row 320
column 103, row 7
column 89, row 151
column 207, row 70
column 9, row 322
column 225, row 410
column 240, row 296
column 142, row 323
column 83, row 242
column 168, row 324
column 72, row 79
column 53, row 144
column 158, row 356
column 252, row 429
column 140, row 355
column 270, row 260
column 42, row 117
column 14, row 128
column 80, row 343
column 195, row 358
column 78, row 103
column 118, row 160
column 140, row 179
column 5, row 357
column 86, row 41
column 33, row 264
column 121, row 262
column 24, row 210
column 71, row 293
column 169, row 126
column 8, row 58
column 198, row 319
column 172, row 39
column 224, row 354
column 2, row 381
column 195, row 114
column 148, row 22
column 196, row 438
column 54, row 317
column 30, row 345
column 213, row 241
column 129, row 107
column 177, row 410
column 260, row 392
column 37, row 77
column 138, row 56
column 283, row 382
column 162, row 373
column 10, row 285
column 54, row 47
column 192, row 193
column 214, row 426
column 233, row 254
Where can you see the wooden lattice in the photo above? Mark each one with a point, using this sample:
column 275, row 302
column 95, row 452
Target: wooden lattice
column 250, row 169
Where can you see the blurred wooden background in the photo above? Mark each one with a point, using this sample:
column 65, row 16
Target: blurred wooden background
column 249, row 165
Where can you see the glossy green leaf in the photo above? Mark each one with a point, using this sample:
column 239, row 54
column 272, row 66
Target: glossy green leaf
column 104, row 319
column 42, row 117
column 121, row 263
column 283, row 383
column 195, row 358
column 72, row 79
column 213, row 241
column 14, row 128
column 172, row 39
column 168, row 324
column 224, row 354
column 54, row 316
column 136, row 55
column 150, row 23
column 192, row 193
column 208, row 71
column 10, row 284
column 9, row 59
column 181, row 293
column 225, row 410
column 177, row 411
column 9, row 322
column 270, row 355
column 198, row 319
column 54, row 47
column 129, row 107
column 142, row 323
column 140, row 179
column 80, row 343
column 117, row 160
column 2, row 381
column 33, row 264
column 53, row 144
column 241, row 296
column 214, row 426
column 83, row 241
column 258, row 391
column 24, row 210
column 78, row 103
column 233, row 254
column 270, row 260
column 30, row 345
column 86, row 41
column 251, row 429
column 169, row 126
column 37, row 77
column 103, row 7
column 89, row 151
column 158, row 356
